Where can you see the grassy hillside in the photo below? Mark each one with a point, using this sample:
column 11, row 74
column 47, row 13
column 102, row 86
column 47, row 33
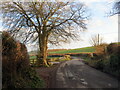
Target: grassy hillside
column 33, row 57
column 79, row 50
column 63, row 51
column 49, row 50
column 117, row 43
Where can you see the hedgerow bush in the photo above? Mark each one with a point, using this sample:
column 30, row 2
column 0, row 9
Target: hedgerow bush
column 112, row 48
column 16, row 72
column 114, row 64
column 100, row 51
column 107, row 59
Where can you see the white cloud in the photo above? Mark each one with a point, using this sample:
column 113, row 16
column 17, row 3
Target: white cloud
column 90, row 1
column 114, row 18
column 98, row 23
column 107, row 27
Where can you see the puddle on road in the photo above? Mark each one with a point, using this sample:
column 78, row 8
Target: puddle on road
column 83, row 81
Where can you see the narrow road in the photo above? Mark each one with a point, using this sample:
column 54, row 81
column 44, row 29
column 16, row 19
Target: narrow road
column 76, row 74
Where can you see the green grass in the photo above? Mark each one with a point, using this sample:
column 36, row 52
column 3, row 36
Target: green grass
column 33, row 57
column 117, row 43
column 79, row 50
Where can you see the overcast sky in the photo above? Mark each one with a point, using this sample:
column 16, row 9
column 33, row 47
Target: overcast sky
column 100, row 23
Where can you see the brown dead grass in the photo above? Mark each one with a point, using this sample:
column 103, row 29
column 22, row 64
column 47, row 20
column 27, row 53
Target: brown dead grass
column 48, row 74
column 53, row 50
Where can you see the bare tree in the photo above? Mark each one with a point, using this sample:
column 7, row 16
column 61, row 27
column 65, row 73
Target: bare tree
column 116, row 8
column 96, row 40
column 44, row 22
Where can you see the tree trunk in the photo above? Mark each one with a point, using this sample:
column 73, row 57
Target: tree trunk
column 43, row 50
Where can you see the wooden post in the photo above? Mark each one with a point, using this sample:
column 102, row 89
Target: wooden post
column 98, row 40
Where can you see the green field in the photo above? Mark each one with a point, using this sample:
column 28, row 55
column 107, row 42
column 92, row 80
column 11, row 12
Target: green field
column 79, row 50
column 33, row 57
column 72, row 51
column 117, row 43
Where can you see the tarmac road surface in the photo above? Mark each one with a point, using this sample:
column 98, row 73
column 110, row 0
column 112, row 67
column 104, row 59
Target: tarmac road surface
column 76, row 74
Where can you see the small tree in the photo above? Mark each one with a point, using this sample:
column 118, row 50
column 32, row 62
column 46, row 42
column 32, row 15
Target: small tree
column 96, row 40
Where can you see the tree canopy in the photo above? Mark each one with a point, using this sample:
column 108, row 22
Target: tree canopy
column 116, row 8
column 44, row 22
